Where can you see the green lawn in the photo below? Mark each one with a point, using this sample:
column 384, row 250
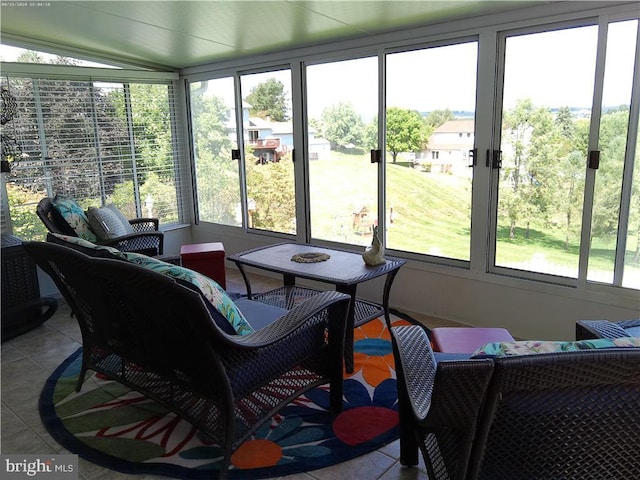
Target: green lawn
column 432, row 215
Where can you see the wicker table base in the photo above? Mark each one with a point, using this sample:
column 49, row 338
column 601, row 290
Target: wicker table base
column 289, row 297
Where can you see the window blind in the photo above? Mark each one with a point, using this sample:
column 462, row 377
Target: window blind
column 99, row 142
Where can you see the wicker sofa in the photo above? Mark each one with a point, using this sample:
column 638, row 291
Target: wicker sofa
column 162, row 336
column 571, row 415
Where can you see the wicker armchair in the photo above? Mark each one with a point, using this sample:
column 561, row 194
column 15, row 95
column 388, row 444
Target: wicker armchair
column 156, row 335
column 570, row 415
column 589, row 329
column 439, row 404
column 146, row 239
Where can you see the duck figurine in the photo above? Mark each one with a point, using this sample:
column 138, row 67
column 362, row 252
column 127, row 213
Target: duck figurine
column 374, row 254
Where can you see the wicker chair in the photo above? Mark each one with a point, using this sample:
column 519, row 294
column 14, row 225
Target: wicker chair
column 146, row 239
column 589, row 329
column 569, row 415
column 156, row 335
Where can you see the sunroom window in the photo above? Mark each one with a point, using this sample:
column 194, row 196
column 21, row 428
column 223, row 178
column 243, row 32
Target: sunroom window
column 98, row 141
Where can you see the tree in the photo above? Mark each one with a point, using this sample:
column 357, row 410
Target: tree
column 271, row 186
column 612, row 145
column 210, row 130
column 543, row 170
column 529, row 169
column 406, row 131
column 216, row 172
column 564, row 119
column 342, row 126
column 438, row 117
column 268, row 99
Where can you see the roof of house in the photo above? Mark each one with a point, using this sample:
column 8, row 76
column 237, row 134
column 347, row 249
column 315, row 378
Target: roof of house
column 457, row 126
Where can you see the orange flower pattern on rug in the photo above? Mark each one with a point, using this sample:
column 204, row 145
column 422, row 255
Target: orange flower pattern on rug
column 373, row 352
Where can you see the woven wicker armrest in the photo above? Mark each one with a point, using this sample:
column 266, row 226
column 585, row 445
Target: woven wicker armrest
column 150, row 243
column 297, row 318
column 590, row 329
column 417, row 366
column 629, row 323
column 451, row 392
column 440, row 404
column 310, row 336
column 144, row 224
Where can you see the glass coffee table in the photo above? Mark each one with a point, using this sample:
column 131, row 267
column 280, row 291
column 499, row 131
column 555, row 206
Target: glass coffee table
column 344, row 269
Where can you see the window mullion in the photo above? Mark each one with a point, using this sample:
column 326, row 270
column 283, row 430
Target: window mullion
column 485, row 180
column 383, row 208
column 41, row 135
column 483, row 154
column 132, row 147
column 301, row 154
column 240, row 128
column 97, row 145
column 594, row 133
column 627, row 177
column 176, row 139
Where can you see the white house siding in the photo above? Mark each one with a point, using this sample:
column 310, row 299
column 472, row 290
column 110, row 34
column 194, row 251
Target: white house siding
column 448, row 148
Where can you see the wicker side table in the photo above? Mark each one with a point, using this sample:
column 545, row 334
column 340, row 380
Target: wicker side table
column 22, row 307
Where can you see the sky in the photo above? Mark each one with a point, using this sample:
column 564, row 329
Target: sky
column 553, row 68
column 559, row 71
column 10, row 54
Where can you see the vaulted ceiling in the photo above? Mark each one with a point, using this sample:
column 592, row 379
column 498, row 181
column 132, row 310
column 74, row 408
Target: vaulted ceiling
column 179, row 34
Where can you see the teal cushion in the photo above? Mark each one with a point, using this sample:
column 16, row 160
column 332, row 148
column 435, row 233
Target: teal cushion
column 213, row 292
column 532, row 347
column 74, row 216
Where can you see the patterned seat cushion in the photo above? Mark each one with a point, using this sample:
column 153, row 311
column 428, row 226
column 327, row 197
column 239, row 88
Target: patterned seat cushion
column 532, row 347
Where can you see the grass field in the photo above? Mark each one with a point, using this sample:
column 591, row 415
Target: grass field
column 431, row 215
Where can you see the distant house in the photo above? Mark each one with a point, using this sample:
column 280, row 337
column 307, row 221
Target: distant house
column 272, row 140
column 448, row 148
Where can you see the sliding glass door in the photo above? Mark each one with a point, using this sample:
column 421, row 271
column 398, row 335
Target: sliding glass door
column 267, row 126
column 615, row 238
column 547, row 94
column 342, row 107
column 569, row 133
column 430, row 132
column 214, row 138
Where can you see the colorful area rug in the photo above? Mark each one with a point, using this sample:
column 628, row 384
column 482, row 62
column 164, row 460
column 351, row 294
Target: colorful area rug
column 113, row 426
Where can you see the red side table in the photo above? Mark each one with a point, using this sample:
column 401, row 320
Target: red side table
column 207, row 259
column 466, row 339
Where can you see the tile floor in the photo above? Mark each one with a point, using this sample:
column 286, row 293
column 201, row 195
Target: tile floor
column 28, row 360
